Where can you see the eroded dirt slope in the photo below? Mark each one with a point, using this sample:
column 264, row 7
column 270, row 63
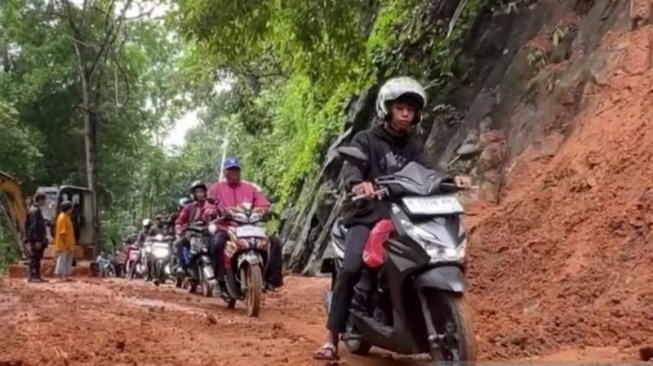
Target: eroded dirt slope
column 567, row 259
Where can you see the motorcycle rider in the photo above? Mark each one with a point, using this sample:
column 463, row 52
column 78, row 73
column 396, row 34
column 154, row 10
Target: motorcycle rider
column 146, row 231
column 232, row 192
column 389, row 147
column 199, row 208
column 159, row 224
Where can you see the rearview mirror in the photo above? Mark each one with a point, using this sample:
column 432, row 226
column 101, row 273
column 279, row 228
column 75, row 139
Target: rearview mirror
column 353, row 154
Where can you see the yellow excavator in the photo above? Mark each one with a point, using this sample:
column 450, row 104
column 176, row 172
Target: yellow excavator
column 13, row 208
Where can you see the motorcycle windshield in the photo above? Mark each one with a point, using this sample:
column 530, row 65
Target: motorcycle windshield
column 160, row 245
column 413, row 180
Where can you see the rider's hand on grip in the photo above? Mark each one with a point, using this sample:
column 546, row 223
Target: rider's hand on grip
column 462, row 182
column 364, row 189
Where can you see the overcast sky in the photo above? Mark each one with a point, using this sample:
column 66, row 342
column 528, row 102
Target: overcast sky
column 187, row 121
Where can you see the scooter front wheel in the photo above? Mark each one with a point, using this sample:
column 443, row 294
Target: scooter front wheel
column 253, row 296
column 452, row 318
column 353, row 342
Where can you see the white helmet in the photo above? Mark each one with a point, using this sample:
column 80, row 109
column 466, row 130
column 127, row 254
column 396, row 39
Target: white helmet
column 147, row 222
column 397, row 87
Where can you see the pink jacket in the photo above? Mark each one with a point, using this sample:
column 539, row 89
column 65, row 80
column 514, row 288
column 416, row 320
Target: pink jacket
column 232, row 196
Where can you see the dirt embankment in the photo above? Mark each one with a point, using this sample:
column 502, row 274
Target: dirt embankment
column 566, row 260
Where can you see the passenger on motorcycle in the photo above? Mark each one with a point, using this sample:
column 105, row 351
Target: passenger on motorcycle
column 199, row 208
column 232, row 192
column 173, row 217
column 389, row 147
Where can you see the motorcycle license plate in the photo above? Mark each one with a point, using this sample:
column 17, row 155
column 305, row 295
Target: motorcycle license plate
column 248, row 231
column 435, row 205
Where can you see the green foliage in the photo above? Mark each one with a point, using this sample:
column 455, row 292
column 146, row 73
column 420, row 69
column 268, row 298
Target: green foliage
column 296, row 62
column 290, row 66
column 135, row 100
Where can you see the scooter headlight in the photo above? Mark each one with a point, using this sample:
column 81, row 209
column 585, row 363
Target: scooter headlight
column 433, row 246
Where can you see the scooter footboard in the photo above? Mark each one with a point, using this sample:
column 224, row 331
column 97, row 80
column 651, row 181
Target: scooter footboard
column 446, row 278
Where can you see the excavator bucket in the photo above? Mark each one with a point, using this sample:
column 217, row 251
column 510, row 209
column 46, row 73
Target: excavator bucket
column 13, row 208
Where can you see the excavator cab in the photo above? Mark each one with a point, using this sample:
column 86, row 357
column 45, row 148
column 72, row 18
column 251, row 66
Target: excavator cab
column 82, row 216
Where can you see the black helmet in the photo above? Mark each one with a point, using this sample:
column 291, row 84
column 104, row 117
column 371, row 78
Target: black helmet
column 197, row 184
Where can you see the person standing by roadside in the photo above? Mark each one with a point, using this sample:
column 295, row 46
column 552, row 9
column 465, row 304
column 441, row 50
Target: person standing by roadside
column 36, row 237
column 64, row 242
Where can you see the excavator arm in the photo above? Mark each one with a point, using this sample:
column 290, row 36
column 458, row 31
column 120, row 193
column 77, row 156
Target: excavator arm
column 12, row 207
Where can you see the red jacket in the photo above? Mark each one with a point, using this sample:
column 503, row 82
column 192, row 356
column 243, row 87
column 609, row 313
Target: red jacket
column 201, row 210
column 228, row 195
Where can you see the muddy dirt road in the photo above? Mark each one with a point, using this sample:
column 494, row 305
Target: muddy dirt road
column 117, row 322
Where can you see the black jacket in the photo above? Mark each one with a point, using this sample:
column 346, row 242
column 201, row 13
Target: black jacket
column 386, row 154
column 35, row 231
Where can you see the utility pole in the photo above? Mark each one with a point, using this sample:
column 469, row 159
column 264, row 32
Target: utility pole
column 225, row 145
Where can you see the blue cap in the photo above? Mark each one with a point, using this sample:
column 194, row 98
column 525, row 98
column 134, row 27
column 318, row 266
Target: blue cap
column 231, row 162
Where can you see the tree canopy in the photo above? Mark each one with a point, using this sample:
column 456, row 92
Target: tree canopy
column 90, row 89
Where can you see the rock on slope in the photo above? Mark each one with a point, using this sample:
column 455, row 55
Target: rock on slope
column 566, row 259
column 558, row 98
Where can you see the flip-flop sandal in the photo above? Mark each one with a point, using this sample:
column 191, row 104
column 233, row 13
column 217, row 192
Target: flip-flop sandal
column 327, row 352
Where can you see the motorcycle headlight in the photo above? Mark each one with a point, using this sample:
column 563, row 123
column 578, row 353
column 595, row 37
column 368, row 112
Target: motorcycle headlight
column 148, row 249
column 160, row 252
column 433, row 246
column 213, row 228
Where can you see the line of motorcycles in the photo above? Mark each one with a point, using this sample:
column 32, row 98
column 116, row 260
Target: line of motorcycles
column 245, row 259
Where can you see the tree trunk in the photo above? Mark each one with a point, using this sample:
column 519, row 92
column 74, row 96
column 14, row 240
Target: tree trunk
column 90, row 147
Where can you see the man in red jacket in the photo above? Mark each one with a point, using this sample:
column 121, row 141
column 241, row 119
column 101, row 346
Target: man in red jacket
column 199, row 209
column 232, row 192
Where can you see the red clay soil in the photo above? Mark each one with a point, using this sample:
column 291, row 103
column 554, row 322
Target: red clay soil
column 82, row 269
column 566, row 260
column 119, row 322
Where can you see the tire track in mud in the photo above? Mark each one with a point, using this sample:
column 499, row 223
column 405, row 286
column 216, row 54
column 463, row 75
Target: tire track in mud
column 118, row 322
